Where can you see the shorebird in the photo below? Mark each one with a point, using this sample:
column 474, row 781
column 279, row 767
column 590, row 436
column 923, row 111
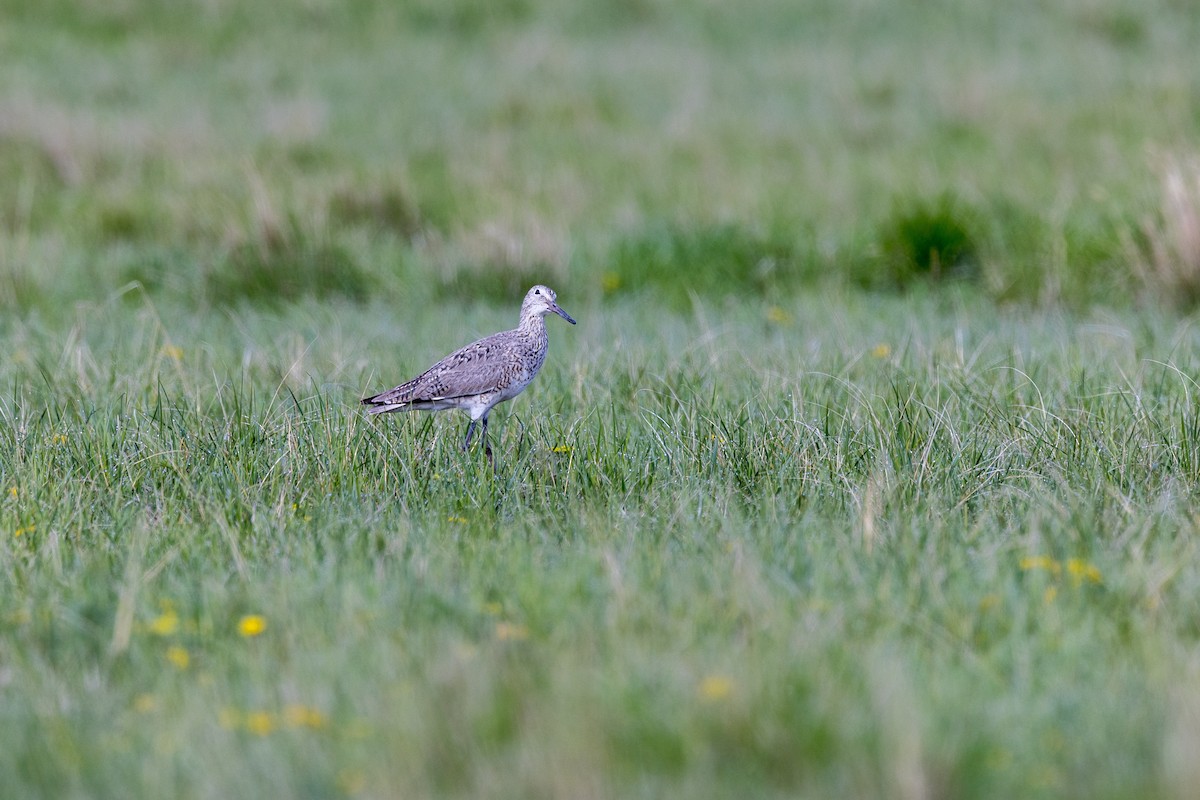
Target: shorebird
column 477, row 377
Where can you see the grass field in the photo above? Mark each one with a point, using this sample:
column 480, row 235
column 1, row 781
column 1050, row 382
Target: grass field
column 871, row 469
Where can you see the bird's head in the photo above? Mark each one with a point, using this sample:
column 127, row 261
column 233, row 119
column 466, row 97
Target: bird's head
column 540, row 301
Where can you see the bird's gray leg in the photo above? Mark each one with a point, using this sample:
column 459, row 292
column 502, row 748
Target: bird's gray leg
column 487, row 446
column 471, row 430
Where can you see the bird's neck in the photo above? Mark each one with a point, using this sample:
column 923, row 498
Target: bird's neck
column 533, row 324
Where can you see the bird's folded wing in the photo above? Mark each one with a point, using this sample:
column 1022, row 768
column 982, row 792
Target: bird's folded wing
column 460, row 374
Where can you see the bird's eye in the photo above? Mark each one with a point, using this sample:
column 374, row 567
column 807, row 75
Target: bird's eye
column 537, row 291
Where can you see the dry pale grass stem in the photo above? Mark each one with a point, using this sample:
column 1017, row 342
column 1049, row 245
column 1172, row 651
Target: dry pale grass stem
column 1169, row 264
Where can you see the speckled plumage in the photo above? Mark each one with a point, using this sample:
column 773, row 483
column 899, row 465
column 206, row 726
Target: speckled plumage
column 477, row 377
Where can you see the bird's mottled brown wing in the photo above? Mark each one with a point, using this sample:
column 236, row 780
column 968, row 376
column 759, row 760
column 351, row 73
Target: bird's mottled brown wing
column 479, row 368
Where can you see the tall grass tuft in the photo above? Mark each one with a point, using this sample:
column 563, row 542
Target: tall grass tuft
column 1167, row 262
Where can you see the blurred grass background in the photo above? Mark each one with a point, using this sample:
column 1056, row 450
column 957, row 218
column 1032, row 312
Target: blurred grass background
column 227, row 150
column 871, row 469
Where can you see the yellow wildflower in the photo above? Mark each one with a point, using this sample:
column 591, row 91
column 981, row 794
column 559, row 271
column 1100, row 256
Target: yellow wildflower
column 511, row 632
column 777, row 316
column 298, row 716
column 12, row 492
column 22, row 531
column 173, row 352
column 251, row 625
column 178, row 656
column 260, row 723
column 1050, row 594
column 59, row 438
column 610, row 282
column 715, row 687
column 989, row 602
column 1041, row 562
column 881, row 350
column 562, row 448
column 456, row 520
column 145, row 703
column 165, row 623
column 1081, row 571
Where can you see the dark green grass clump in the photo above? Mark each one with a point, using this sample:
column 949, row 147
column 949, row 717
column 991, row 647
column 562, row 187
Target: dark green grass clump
column 676, row 261
column 278, row 268
column 926, row 240
column 382, row 209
